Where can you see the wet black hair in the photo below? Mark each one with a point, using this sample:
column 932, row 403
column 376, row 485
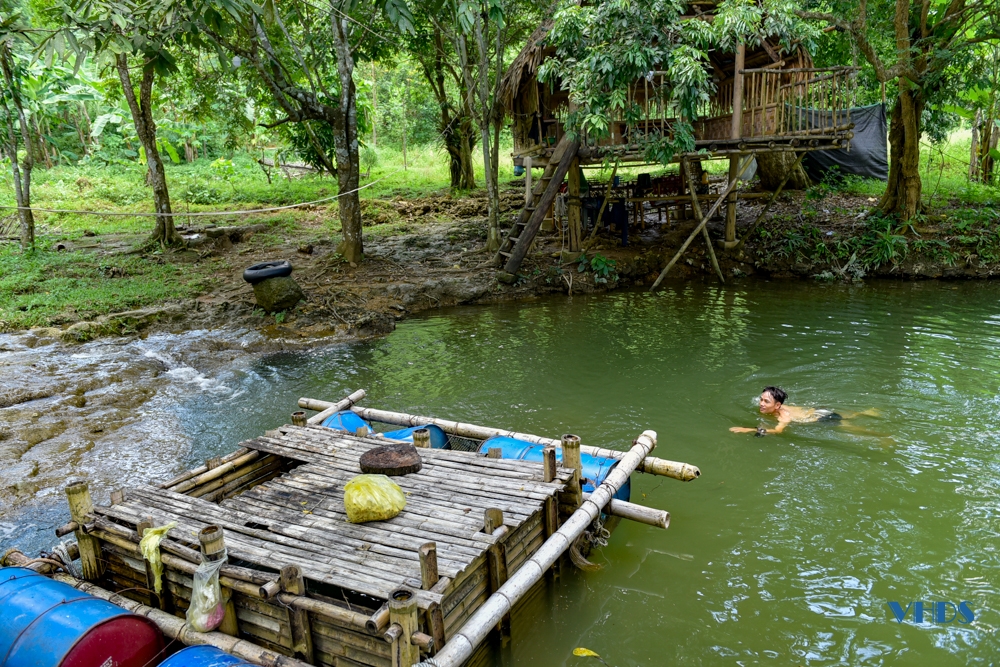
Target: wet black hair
column 776, row 393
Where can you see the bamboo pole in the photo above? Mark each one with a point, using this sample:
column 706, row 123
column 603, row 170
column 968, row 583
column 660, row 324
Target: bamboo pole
column 696, row 206
column 217, row 472
column 333, row 409
column 638, row 513
column 176, row 628
column 704, row 221
column 684, row 472
column 403, row 613
column 462, row 645
column 655, row 466
column 571, row 459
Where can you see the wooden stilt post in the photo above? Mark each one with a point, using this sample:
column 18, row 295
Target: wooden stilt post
column 767, row 205
column 403, row 613
column 527, row 181
column 81, row 509
column 574, row 207
column 292, row 582
column 736, row 133
column 299, row 418
column 701, row 225
column 696, row 205
column 213, row 548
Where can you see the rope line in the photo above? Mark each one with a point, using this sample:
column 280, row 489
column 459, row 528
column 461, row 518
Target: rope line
column 201, row 214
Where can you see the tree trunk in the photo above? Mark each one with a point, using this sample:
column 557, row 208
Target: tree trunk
column 772, row 167
column 974, row 147
column 456, row 130
column 22, row 175
column 902, row 192
column 484, row 116
column 345, row 127
column 145, row 129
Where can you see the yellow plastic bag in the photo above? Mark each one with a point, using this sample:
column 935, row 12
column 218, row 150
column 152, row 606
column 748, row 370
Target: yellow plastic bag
column 150, row 547
column 372, row 498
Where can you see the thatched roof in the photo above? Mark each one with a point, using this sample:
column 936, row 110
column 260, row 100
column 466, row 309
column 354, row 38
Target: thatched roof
column 524, row 66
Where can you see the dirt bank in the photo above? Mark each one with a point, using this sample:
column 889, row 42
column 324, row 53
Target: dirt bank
column 429, row 252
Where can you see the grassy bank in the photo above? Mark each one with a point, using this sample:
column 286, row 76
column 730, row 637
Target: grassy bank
column 96, row 273
column 94, row 276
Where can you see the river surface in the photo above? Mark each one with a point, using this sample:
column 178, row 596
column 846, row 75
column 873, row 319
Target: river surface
column 786, row 551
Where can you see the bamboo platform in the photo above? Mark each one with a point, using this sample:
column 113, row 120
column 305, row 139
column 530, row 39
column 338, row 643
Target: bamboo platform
column 279, row 500
column 303, row 586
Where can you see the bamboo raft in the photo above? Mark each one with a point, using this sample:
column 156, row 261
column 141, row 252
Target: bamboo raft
column 305, row 586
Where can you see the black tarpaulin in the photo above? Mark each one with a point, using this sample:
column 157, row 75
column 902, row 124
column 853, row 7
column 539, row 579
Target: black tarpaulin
column 867, row 156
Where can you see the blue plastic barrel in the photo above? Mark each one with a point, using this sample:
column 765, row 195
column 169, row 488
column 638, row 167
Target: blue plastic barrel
column 595, row 468
column 46, row 623
column 201, row 656
column 345, row 420
column 438, row 437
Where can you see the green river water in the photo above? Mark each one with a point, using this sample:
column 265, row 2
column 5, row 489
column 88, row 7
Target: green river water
column 788, row 548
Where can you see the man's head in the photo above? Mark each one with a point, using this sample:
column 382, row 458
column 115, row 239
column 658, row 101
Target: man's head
column 771, row 400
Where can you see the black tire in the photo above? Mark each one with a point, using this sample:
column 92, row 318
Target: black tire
column 260, row 272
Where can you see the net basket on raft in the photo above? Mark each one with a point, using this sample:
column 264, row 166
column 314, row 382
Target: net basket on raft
column 489, row 512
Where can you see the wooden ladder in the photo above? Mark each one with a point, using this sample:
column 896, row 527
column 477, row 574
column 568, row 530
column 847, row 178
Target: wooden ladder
column 515, row 233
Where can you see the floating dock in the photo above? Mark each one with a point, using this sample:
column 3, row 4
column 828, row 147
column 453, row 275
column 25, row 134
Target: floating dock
column 305, row 586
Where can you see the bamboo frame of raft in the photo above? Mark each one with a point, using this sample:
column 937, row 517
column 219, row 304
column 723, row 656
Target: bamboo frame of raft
column 385, row 594
column 684, row 472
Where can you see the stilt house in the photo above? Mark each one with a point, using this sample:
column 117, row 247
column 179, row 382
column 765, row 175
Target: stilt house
column 768, row 99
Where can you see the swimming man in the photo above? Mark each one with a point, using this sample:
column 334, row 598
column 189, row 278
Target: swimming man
column 772, row 402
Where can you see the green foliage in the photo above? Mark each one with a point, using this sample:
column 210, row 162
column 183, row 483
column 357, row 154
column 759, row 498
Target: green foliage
column 602, row 268
column 886, row 245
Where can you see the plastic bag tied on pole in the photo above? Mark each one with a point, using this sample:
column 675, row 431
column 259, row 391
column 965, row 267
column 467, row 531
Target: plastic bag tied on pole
column 208, row 608
column 150, row 547
column 372, row 498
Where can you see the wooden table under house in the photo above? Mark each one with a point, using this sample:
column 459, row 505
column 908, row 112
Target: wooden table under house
column 304, row 586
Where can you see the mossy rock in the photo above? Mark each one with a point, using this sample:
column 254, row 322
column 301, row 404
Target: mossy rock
column 277, row 294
